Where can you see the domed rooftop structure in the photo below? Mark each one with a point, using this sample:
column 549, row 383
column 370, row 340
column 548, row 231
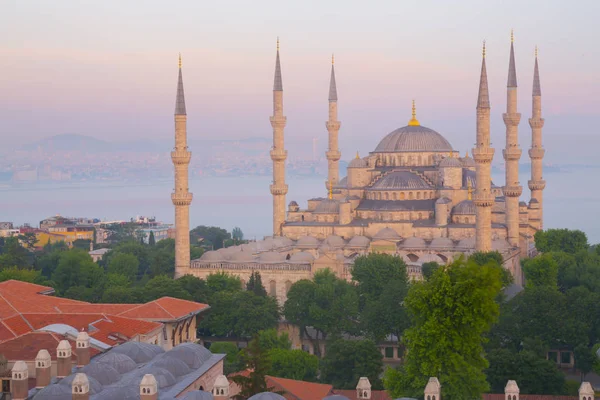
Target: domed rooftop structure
column 67, row 382
column 307, row 242
column 334, row 241
column 413, row 243
column 119, row 361
column 468, row 162
column 400, row 180
column 466, row 243
column 120, row 392
column 443, row 200
column 302, row 257
column 174, row 365
column 103, row 373
column 412, row 138
column 450, row 162
column 56, row 392
column 358, row 163
column 271, row 257
column 359, row 241
column 282, row 241
column 242, row 256
column 465, row 207
column 387, row 234
column 139, row 352
column 266, row 396
column 212, row 255
column 197, row 395
column 336, row 397
column 194, row 355
column 426, row 258
column 327, row 206
column 163, row 377
column 441, row 242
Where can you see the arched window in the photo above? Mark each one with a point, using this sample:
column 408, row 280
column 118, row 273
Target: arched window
column 410, row 195
column 425, row 195
column 386, row 196
column 420, row 216
column 394, row 196
column 273, row 288
column 402, row 196
column 419, row 195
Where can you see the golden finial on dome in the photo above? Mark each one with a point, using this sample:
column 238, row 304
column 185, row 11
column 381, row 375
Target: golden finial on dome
column 413, row 121
column 512, row 36
column 330, row 190
column 536, row 51
column 469, row 191
column 357, row 156
column 467, row 154
column 277, row 43
column 179, row 60
column 484, row 49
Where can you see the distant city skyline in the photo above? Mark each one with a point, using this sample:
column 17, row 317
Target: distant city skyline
column 87, row 69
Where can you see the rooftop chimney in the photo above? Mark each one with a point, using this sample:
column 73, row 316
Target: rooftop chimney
column 148, row 388
column 363, row 389
column 80, row 388
column 63, row 362
column 586, row 392
column 511, row 391
column 433, row 390
column 43, row 364
column 221, row 388
column 82, row 349
column 19, row 386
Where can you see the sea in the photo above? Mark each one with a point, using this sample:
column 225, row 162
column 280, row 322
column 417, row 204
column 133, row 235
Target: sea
column 571, row 201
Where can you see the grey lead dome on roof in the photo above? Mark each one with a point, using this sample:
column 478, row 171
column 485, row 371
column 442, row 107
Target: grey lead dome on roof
column 413, row 138
column 267, row 396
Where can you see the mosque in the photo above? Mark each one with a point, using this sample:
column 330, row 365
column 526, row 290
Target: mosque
column 413, row 196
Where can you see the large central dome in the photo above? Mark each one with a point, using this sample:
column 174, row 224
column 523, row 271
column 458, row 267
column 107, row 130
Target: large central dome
column 413, row 138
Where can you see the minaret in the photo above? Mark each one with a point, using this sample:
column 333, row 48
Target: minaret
column 181, row 197
column 512, row 153
column 333, row 126
column 278, row 153
column 536, row 153
column 483, row 155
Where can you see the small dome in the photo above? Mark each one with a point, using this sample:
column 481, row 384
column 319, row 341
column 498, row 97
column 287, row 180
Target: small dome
column 387, row 234
column 95, row 386
column 174, row 365
column 363, row 383
column 411, row 139
column 282, row 241
column 194, row 355
column 197, row 395
column 212, row 256
column 443, row 200
column 441, row 242
column 163, row 377
column 465, row 207
column 414, row 243
column 359, row 241
column 358, row 163
column 121, row 362
column 302, row 257
column 334, row 241
column 54, row 392
column 293, row 204
column 327, row 206
column 511, row 386
column 103, row 373
column 242, row 256
column 120, row 393
column 271, row 257
column 139, row 352
column 266, row 396
column 400, row 180
column 250, row 247
column 308, row 242
column 450, row 162
column 466, row 243
column 468, row 162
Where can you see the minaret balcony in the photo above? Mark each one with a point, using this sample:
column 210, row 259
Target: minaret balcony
column 333, row 125
column 536, row 153
column 512, row 153
column 537, row 184
column 536, row 123
column 279, row 189
column 182, row 198
column 483, row 155
column 484, row 199
column 512, row 190
column 278, row 154
column 511, row 119
column 181, row 156
column 278, row 122
column 333, row 155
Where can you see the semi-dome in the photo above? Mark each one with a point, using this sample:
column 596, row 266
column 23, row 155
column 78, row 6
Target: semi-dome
column 307, row 242
column 359, row 241
column 400, row 180
column 387, row 234
column 212, row 256
column 327, row 206
column 465, row 207
column 302, row 257
column 450, row 162
column 500, row 244
column 413, row 138
column 271, row 257
column 358, row 163
column 414, row 243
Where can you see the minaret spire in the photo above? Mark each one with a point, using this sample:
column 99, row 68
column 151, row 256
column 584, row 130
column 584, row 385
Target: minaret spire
column 181, row 197
column 536, row 153
column 512, row 152
column 333, row 154
column 483, row 155
column 278, row 153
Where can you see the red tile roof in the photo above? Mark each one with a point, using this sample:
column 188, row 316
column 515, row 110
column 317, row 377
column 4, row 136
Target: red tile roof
column 18, row 325
column 26, row 347
column 500, row 396
column 299, row 390
column 5, row 332
column 165, row 309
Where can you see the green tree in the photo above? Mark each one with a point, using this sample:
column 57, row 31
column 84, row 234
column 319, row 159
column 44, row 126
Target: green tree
column 237, row 235
column 196, row 287
column 114, row 279
column 482, row 257
column 210, row 236
column 28, row 239
column 161, row 286
column 124, row 264
column 83, row 244
column 534, row 374
column 240, row 314
column 258, row 364
column 137, row 249
column 76, row 268
column 255, row 284
column 427, row 269
column 450, row 314
column 347, row 360
column 271, row 339
column 584, row 359
column 223, row 282
column 196, row 252
column 233, row 361
column 541, row 271
column 18, row 274
column 327, row 303
column 121, row 295
column 13, row 254
column 374, row 271
column 151, row 240
column 294, row 364
column 569, row 241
